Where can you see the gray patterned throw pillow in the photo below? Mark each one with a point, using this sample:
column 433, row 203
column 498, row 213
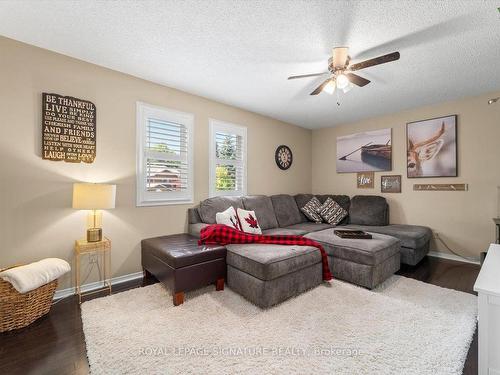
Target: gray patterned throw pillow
column 331, row 212
column 311, row 210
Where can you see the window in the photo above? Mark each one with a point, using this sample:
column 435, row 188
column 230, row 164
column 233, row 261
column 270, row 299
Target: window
column 228, row 159
column 164, row 156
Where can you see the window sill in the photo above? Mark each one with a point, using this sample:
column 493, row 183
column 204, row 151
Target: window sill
column 165, row 203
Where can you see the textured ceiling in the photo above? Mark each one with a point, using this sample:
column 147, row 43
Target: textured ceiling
column 241, row 52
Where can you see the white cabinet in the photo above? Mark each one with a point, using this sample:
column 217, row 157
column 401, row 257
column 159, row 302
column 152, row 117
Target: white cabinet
column 488, row 287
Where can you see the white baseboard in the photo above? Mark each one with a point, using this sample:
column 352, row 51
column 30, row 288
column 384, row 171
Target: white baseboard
column 438, row 254
column 97, row 285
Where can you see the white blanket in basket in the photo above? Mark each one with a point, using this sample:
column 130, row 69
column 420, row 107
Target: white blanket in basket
column 34, row 275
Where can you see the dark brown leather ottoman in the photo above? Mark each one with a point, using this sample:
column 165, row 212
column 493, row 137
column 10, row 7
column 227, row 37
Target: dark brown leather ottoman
column 181, row 265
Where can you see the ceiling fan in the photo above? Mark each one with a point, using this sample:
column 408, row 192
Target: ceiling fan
column 340, row 70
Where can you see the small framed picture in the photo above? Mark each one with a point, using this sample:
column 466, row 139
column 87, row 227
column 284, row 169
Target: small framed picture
column 431, row 147
column 366, row 180
column 390, row 184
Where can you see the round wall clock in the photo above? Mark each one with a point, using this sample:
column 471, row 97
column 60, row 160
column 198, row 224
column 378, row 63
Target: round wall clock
column 283, row 157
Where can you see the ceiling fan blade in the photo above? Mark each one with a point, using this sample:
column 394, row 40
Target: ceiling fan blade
column 307, row 75
column 376, row 61
column 357, row 80
column 340, row 56
column 320, row 87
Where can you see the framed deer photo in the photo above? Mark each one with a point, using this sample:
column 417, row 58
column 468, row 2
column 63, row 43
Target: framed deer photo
column 431, row 147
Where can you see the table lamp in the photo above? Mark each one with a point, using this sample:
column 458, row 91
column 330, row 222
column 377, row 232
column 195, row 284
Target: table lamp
column 94, row 197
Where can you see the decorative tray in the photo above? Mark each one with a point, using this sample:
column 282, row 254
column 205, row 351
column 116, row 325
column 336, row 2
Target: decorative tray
column 352, row 234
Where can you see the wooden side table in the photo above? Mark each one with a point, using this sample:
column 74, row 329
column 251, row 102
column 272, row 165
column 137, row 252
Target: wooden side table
column 103, row 250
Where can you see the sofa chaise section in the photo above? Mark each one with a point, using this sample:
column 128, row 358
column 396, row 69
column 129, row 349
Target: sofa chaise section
column 359, row 261
column 414, row 239
column 371, row 214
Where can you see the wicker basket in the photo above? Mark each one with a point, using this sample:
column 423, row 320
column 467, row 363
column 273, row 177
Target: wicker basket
column 19, row 310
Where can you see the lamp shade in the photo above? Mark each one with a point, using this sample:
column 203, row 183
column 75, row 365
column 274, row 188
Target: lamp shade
column 93, row 196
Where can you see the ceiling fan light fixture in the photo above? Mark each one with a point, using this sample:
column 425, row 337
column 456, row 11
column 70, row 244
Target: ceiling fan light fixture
column 348, row 88
column 339, row 55
column 330, row 87
column 342, row 81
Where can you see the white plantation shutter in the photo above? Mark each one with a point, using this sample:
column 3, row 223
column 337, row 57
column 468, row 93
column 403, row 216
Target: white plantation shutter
column 227, row 159
column 164, row 156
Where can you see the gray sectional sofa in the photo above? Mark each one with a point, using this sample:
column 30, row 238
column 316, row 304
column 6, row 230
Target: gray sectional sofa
column 269, row 274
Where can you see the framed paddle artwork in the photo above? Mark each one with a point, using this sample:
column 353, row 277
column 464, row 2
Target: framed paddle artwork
column 68, row 129
column 369, row 151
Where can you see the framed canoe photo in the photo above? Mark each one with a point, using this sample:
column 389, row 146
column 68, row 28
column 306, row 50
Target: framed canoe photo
column 369, row 151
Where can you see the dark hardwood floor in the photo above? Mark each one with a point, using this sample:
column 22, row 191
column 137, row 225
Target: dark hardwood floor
column 55, row 343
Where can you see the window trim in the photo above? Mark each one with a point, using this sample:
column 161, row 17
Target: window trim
column 219, row 125
column 143, row 198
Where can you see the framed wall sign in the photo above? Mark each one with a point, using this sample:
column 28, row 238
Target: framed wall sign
column 366, row 180
column 440, row 187
column 432, row 147
column 68, row 129
column 390, row 184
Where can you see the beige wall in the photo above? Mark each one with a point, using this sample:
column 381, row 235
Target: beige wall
column 36, row 220
column 462, row 219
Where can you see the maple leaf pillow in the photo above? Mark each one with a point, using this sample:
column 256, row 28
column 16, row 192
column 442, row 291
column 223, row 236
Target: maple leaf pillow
column 248, row 221
column 229, row 218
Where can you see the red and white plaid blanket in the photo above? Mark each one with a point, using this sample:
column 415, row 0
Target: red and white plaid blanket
column 225, row 235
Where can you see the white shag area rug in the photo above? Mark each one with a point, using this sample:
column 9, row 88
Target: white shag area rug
column 403, row 327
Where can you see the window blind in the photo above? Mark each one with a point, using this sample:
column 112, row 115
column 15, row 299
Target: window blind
column 229, row 167
column 228, row 159
column 164, row 156
column 167, row 167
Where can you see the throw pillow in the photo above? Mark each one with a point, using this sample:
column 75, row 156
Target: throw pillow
column 248, row 221
column 311, row 208
column 229, row 218
column 331, row 212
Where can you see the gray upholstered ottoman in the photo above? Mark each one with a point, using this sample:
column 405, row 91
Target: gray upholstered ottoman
column 269, row 274
column 362, row 262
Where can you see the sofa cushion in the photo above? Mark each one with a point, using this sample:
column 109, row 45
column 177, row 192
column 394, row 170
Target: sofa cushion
column 263, row 207
column 209, row 207
column 411, row 236
column 284, row 232
column 331, row 212
column 369, row 210
column 309, row 227
column 268, row 262
column 286, row 210
column 311, row 208
column 371, row 252
column 343, row 200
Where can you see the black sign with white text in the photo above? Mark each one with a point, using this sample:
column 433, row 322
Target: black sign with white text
column 68, row 129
